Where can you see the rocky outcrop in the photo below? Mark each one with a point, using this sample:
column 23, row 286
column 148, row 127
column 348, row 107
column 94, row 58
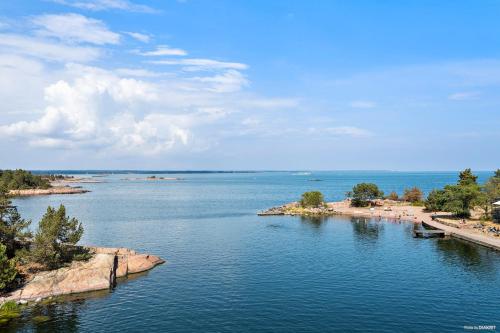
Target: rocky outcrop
column 51, row 190
column 99, row 273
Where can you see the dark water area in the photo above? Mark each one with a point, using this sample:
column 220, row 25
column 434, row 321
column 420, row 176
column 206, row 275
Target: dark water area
column 229, row 270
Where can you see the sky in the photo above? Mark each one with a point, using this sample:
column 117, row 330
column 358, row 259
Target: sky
column 250, row 85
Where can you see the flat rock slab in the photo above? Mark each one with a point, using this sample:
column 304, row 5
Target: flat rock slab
column 99, row 273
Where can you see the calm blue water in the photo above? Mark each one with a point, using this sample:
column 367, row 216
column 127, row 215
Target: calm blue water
column 229, row 270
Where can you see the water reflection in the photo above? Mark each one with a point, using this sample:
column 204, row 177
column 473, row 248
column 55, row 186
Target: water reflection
column 60, row 314
column 470, row 257
column 366, row 229
column 315, row 222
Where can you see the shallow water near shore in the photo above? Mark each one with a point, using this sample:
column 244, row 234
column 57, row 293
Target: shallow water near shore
column 229, row 270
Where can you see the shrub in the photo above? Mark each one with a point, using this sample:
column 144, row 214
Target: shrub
column 56, row 235
column 413, row 195
column 363, row 193
column 312, row 199
column 8, row 271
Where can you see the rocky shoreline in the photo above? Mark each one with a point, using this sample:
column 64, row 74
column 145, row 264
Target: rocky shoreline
column 98, row 273
column 470, row 230
column 48, row 191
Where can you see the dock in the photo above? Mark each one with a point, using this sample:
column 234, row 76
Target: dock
column 424, row 233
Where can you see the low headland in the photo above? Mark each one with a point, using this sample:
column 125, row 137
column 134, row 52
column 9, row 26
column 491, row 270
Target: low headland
column 24, row 183
column 468, row 211
column 48, row 262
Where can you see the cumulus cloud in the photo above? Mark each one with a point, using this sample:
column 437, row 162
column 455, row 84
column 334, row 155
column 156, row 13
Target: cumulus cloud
column 163, row 50
column 98, row 5
column 75, row 28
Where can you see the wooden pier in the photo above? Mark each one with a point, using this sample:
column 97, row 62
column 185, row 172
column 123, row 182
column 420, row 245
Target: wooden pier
column 424, row 233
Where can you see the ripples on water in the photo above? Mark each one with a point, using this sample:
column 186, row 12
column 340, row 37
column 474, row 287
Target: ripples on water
column 229, row 270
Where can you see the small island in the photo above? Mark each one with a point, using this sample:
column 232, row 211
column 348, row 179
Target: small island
column 465, row 210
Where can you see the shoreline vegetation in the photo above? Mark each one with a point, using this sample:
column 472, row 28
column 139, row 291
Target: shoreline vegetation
column 49, row 263
column 24, row 183
column 466, row 210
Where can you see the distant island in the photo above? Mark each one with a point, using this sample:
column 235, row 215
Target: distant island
column 24, row 183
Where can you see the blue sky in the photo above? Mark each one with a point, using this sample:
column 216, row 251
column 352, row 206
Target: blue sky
column 323, row 85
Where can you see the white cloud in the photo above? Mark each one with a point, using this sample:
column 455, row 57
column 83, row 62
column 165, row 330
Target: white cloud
column 465, row 95
column 348, row 131
column 97, row 5
column 140, row 72
column 138, row 36
column 229, row 81
column 45, row 49
column 75, row 28
column 201, row 64
column 163, row 50
column 363, row 104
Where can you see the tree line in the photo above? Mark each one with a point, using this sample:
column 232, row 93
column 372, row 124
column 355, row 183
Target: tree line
column 21, row 180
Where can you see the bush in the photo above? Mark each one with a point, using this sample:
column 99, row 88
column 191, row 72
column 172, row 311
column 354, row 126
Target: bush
column 56, row 235
column 8, row 271
column 312, row 199
column 413, row 195
column 362, row 194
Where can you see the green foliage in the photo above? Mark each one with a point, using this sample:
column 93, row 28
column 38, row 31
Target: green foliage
column 435, row 201
column 363, row 193
column 457, row 199
column 20, row 180
column 312, row 199
column 8, row 271
column 9, row 310
column 55, row 235
column 393, row 196
column 13, row 229
column 492, row 187
column 466, row 177
column 413, row 195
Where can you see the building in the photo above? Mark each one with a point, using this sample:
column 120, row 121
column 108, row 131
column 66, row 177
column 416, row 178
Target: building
column 496, row 211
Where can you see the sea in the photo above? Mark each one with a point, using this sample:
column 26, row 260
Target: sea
column 229, row 270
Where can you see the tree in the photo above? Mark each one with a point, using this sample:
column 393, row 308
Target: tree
column 312, row 199
column 56, row 233
column 461, row 198
column 8, row 271
column 435, row 201
column 363, row 193
column 393, row 196
column 13, row 229
column 466, row 177
column 492, row 187
column 413, row 195
column 21, row 179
